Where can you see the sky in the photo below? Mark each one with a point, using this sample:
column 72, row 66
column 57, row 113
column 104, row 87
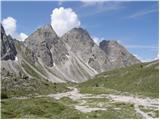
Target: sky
column 133, row 24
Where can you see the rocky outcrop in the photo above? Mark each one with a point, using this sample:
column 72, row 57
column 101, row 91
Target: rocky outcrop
column 117, row 54
column 81, row 44
column 8, row 50
column 40, row 43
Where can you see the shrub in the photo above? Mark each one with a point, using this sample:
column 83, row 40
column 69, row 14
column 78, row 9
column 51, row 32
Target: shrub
column 4, row 96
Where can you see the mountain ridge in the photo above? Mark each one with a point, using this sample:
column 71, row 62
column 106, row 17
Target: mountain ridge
column 73, row 57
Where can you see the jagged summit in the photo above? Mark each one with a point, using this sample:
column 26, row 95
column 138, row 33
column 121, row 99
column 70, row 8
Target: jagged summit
column 80, row 42
column 44, row 31
column 8, row 50
column 40, row 42
column 117, row 54
column 78, row 30
column 78, row 33
column 73, row 57
column 46, row 28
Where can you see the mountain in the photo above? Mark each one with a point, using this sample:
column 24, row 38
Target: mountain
column 117, row 54
column 73, row 57
column 8, row 55
column 8, row 50
column 40, row 43
column 80, row 43
column 47, row 70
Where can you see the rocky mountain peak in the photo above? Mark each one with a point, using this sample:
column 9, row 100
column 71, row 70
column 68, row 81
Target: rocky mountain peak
column 41, row 41
column 117, row 54
column 78, row 34
column 8, row 50
column 79, row 30
column 46, row 28
column 81, row 44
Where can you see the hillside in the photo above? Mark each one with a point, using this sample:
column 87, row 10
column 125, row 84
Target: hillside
column 130, row 92
column 141, row 79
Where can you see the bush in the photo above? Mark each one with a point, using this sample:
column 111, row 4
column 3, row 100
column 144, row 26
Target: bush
column 4, row 96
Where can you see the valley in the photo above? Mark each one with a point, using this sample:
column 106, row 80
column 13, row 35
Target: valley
column 89, row 100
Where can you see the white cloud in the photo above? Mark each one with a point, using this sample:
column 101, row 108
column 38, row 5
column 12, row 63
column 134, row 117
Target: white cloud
column 64, row 19
column 10, row 26
column 22, row 36
column 97, row 40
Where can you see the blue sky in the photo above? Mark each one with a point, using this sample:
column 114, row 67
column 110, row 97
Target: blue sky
column 133, row 24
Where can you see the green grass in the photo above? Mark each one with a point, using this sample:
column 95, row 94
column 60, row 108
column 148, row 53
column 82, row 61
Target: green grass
column 125, row 111
column 51, row 108
column 67, row 101
column 15, row 86
column 37, row 108
column 137, row 79
column 97, row 90
column 150, row 111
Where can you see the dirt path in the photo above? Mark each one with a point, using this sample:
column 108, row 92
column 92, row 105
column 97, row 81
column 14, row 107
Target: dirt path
column 75, row 95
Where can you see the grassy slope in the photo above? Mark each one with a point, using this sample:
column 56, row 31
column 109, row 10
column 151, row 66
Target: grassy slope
column 141, row 79
column 37, row 108
column 51, row 108
column 13, row 86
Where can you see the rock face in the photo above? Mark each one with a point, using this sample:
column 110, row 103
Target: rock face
column 8, row 50
column 40, row 42
column 81, row 44
column 74, row 57
column 117, row 54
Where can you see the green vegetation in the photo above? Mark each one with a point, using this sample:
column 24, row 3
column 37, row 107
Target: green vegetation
column 16, row 86
column 4, row 95
column 67, row 101
column 51, row 108
column 97, row 90
column 141, row 79
column 150, row 111
column 37, row 108
column 125, row 111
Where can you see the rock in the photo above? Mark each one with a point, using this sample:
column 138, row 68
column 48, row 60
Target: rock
column 81, row 44
column 74, row 57
column 117, row 54
column 8, row 50
column 40, row 43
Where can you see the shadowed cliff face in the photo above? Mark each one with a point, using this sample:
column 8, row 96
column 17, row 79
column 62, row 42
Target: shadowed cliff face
column 8, row 50
column 117, row 54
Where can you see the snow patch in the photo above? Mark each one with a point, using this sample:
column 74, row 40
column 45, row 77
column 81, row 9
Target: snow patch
column 16, row 58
